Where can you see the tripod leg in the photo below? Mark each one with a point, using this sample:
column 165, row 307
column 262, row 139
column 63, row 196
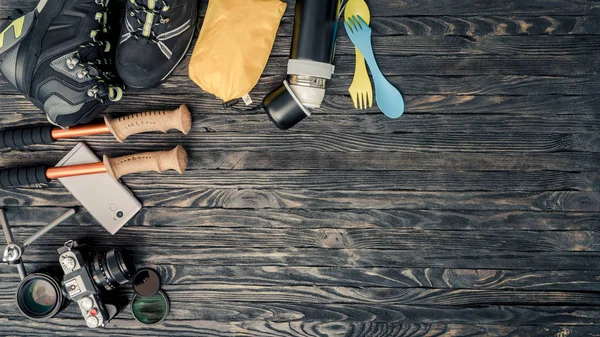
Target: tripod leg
column 17, row 261
column 7, row 232
column 48, row 227
column 21, row 269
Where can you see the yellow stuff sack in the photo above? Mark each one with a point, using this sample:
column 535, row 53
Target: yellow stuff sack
column 234, row 45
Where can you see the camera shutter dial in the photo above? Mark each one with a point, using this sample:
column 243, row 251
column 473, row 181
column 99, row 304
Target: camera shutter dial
column 92, row 322
column 68, row 263
column 86, row 303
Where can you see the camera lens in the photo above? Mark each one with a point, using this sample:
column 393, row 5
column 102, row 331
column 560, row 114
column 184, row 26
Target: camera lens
column 39, row 297
column 112, row 269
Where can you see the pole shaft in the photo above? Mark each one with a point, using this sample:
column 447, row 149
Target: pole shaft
column 76, row 170
column 80, row 131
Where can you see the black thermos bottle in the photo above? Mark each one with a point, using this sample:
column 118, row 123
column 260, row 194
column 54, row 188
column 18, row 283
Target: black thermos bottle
column 310, row 64
column 315, row 24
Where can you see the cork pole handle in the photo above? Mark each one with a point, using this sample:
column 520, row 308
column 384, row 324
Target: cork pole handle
column 159, row 161
column 123, row 127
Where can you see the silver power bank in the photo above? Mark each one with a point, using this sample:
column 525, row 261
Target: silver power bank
column 104, row 197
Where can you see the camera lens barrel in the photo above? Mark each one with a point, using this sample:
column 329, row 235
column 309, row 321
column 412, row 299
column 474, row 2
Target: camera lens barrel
column 111, row 269
column 119, row 269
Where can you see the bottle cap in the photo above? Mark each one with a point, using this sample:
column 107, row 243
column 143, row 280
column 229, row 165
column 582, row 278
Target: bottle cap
column 284, row 108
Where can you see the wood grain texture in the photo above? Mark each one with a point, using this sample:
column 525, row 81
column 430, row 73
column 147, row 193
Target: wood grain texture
column 346, row 142
column 376, row 313
column 426, row 278
column 190, row 294
column 549, row 201
column 365, row 161
column 306, row 328
column 480, row 258
column 334, row 239
column 382, row 277
column 159, row 217
column 475, row 214
column 374, row 180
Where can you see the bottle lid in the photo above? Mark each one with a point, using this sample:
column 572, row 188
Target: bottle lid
column 284, row 108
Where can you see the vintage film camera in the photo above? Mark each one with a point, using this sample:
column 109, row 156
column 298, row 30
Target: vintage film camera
column 87, row 275
column 87, row 278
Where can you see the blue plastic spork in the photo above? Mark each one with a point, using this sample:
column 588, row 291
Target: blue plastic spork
column 388, row 98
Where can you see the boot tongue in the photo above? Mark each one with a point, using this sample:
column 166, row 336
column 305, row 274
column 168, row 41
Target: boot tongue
column 149, row 19
column 152, row 4
column 89, row 52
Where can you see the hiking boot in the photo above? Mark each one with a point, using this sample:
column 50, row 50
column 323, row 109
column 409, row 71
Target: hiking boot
column 59, row 56
column 154, row 39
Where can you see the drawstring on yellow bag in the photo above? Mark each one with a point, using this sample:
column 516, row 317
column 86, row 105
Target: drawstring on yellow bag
column 234, row 45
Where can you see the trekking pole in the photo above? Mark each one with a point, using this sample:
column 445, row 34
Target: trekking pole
column 120, row 127
column 160, row 161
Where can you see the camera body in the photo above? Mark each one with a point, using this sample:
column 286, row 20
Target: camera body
column 84, row 273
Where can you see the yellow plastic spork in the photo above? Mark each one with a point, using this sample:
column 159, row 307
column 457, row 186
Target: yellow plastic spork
column 361, row 89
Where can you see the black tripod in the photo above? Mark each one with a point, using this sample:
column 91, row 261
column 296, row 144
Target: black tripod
column 14, row 250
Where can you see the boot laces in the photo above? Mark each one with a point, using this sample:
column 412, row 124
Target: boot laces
column 91, row 61
column 148, row 16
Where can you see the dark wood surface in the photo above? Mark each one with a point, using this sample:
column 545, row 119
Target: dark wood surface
column 475, row 214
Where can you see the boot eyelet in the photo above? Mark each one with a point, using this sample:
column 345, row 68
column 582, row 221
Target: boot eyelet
column 82, row 73
column 72, row 62
column 93, row 92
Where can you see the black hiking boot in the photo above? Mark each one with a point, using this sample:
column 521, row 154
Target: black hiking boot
column 154, row 39
column 60, row 56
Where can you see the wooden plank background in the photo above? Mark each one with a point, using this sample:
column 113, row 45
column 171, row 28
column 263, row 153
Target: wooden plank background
column 476, row 213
